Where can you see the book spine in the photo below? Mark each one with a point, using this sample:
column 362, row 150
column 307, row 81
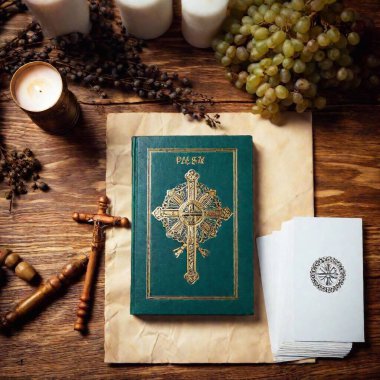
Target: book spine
column 134, row 221
column 254, row 194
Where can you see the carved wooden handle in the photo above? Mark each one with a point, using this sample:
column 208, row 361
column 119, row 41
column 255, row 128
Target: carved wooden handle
column 85, row 299
column 82, row 314
column 44, row 292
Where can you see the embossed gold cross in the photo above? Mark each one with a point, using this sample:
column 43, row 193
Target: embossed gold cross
column 191, row 214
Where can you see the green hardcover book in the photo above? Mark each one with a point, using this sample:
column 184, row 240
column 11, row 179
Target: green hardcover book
column 192, row 227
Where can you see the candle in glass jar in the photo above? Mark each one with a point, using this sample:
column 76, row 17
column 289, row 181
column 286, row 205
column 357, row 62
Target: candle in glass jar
column 146, row 19
column 201, row 20
column 40, row 91
column 60, row 17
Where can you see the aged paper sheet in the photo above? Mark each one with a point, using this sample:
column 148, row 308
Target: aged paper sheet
column 283, row 189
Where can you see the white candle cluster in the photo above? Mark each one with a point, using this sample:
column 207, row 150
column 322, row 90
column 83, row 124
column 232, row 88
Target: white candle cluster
column 146, row 19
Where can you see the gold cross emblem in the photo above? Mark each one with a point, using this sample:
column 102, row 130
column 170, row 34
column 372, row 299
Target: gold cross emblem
column 191, row 214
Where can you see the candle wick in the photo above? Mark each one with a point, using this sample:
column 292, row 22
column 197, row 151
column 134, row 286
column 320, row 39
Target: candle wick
column 38, row 89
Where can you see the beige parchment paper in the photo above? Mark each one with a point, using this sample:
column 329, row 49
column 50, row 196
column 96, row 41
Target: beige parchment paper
column 283, row 189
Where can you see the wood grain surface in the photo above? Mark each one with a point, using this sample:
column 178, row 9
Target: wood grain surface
column 347, row 184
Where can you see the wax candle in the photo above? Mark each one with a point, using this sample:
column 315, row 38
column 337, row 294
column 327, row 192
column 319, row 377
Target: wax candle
column 201, row 20
column 38, row 88
column 59, row 17
column 40, row 91
column 146, row 19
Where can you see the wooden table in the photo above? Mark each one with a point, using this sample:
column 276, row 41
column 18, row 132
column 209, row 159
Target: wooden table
column 347, row 183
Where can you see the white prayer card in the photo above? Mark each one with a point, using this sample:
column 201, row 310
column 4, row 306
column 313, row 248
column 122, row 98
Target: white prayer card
column 268, row 259
column 271, row 253
column 285, row 312
column 328, row 279
column 312, row 277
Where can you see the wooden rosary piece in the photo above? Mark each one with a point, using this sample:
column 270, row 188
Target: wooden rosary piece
column 44, row 292
column 100, row 220
column 22, row 268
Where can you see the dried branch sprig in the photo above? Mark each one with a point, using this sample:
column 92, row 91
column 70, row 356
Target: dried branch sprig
column 17, row 169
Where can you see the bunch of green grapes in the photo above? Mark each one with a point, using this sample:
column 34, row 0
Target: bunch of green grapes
column 284, row 52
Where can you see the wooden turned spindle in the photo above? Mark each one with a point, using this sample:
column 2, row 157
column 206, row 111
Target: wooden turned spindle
column 22, row 268
column 100, row 220
column 44, row 292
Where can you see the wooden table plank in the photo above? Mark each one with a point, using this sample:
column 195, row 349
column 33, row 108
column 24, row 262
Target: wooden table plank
column 347, row 182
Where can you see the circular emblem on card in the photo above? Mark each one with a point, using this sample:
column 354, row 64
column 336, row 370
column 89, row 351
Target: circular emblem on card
column 327, row 274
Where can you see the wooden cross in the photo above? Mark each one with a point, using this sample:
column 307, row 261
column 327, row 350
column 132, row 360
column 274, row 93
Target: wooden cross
column 192, row 212
column 100, row 220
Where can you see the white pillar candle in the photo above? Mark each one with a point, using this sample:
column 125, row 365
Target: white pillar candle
column 59, row 17
column 201, row 20
column 146, row 19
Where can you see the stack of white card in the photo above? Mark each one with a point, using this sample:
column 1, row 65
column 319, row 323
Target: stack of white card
column 312, row 277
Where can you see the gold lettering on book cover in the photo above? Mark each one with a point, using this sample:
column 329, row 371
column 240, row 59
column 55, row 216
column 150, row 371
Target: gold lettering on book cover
column 191, row 213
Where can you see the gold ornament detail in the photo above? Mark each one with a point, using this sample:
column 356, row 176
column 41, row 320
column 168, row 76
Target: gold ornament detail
column 191, row 214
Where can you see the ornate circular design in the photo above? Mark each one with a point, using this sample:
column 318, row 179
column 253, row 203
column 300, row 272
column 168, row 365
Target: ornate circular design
column 327, row 274
column 191, row 213
column 191, row 204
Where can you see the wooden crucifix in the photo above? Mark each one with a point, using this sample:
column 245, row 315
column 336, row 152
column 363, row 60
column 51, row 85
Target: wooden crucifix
column 100, row 220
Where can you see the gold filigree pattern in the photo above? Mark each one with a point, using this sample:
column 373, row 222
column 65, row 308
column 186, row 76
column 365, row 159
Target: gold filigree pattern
column 191, row 213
